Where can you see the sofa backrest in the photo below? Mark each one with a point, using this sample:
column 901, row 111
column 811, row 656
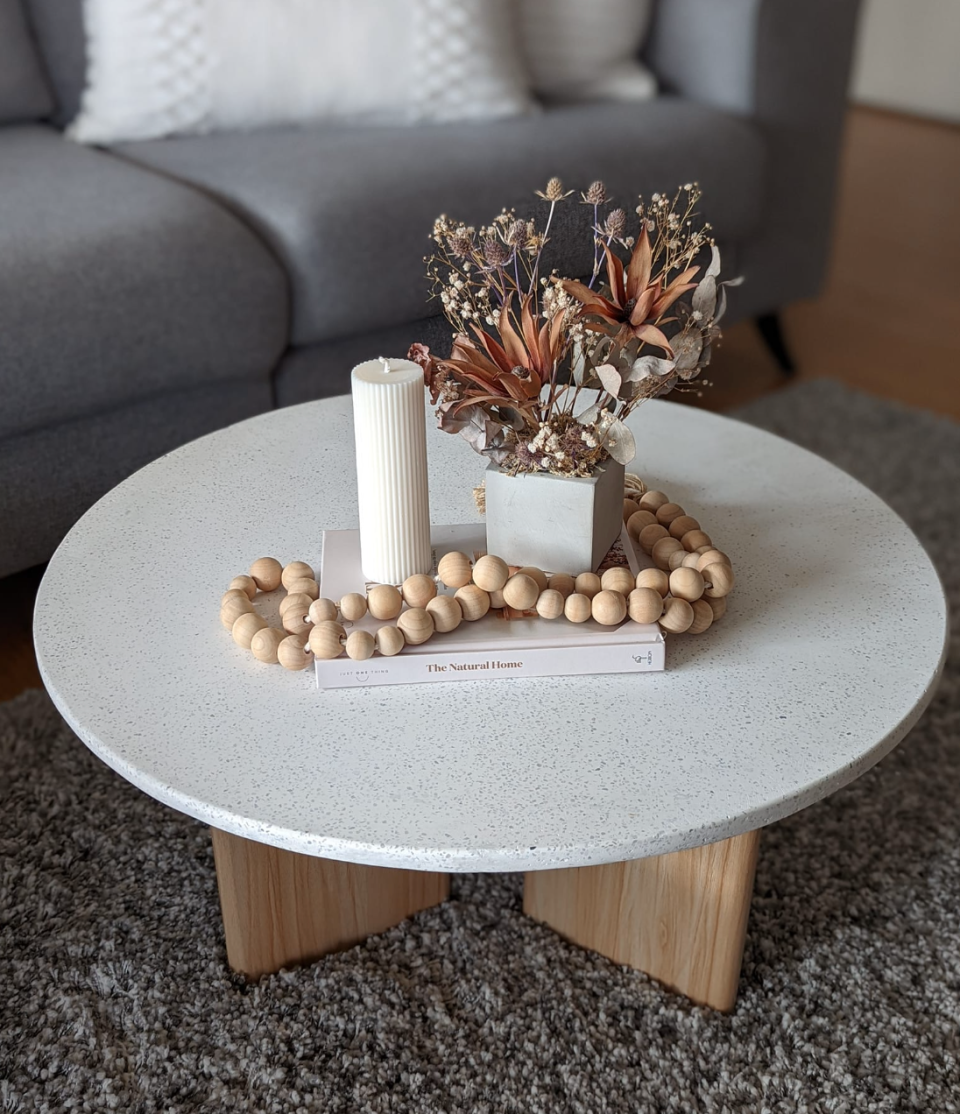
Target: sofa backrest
column 58, row 28
column 24, row 93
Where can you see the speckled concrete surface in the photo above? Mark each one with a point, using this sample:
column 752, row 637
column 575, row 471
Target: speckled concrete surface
column 116, row 995
column 830, row 648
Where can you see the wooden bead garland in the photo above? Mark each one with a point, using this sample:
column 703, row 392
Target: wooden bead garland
column 686, row 592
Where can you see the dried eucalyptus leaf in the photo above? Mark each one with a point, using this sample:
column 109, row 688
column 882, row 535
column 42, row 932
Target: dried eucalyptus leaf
column 610, row 378
column 714, row 269
column 648, row 366
column 705, row 298
column 686, row 349
column 617, row 439
column 590, row 415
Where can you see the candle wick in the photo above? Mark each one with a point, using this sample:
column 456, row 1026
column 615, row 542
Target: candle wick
column 386, row 364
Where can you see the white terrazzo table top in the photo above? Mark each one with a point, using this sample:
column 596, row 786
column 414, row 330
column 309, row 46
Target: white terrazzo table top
column 830, row 649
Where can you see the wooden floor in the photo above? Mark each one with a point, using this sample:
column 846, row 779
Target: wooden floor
column 888, row 321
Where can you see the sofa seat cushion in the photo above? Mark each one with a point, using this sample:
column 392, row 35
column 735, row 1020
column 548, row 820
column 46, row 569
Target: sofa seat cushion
column 349, row 210
column 117, row 283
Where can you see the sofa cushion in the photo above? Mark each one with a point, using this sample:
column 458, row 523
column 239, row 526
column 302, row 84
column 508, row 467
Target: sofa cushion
column 349, row 210
column 24, row 94
column 117, row 283
column 58, row 28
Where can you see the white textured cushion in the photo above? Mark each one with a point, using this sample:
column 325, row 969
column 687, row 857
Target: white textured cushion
column 165, row 67
column 586, row 50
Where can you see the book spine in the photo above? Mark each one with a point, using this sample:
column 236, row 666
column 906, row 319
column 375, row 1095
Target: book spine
column 409, row 669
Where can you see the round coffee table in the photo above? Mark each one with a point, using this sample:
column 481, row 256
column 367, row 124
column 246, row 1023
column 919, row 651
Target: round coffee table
column 633, row 802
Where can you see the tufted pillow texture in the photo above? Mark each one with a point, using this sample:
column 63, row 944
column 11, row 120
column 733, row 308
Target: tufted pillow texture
column 587, row 50
column 167, row 67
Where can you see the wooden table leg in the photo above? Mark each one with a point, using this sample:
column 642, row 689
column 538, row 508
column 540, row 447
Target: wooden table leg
column 680, row 918
column 281, row 909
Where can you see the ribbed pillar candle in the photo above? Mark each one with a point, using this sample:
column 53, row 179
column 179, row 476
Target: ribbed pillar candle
column 390, row 429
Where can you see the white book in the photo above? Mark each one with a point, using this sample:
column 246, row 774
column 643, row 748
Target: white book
column 504, row 643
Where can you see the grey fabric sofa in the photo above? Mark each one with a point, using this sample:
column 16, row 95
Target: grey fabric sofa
column 155, row 292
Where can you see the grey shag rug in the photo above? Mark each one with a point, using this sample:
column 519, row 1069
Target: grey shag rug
column 114, row 994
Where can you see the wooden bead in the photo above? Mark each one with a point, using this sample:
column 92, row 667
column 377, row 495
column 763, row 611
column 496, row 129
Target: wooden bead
column 587, row 584
column 353, row 607
column 535, row 575
column 653, row 500
column 326, row 640
column 418, row 589
column 630, row 506
column 662, row 550
column 233, row 608
column 296, row 570
column 521, row 591
column 322, row 611
column 265, row 573
column 474, row 602
column 719, row 578
column 490, row 573
column 245, row 584
column 690, row 560
column 496, row 599
column 417, row 625
column 676, row 559
column 577, row 607
column 684, row 524
column 645, row 605
column 712, row 557
column 233, row 593
column 390, row 641
column 294, row 616
column 703, row 548
column 694, row 539
column 292, row 653
column 550, row 604
column 686, row 584
column 563, row 583
column 246, row 627
column 618, row 580
column 455, row 569
column 265, row 644
column 656, row 579
column 637, row 521
column 384, row 601
column 667, row 512
column 677, row 615
column 702, row 617
column 718, row 605
column 360, row 645
column 650, row 535
column 608, row 608
column 306, row 586
column 447, row 613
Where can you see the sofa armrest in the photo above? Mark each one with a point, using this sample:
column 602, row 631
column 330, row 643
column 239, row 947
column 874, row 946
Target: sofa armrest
column 786, row 65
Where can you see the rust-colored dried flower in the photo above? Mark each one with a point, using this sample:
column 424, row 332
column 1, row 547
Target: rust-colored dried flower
column 596, row 194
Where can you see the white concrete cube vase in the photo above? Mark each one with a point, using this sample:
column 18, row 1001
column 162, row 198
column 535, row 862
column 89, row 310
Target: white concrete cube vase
column 557, row 523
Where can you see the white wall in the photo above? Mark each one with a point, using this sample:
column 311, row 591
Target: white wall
column 908, row 57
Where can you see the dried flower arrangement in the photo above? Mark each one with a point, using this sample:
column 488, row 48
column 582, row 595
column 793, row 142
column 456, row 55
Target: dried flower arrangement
column 527, row 344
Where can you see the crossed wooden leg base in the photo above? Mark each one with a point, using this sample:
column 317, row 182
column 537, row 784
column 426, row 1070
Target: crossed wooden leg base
column 282, row 909
column 680, row 918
